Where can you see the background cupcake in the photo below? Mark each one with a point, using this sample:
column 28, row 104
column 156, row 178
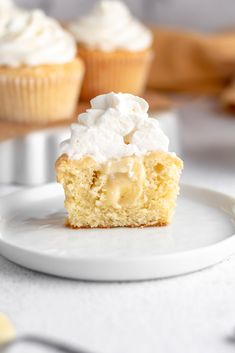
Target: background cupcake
column 115, row 48
column 40, row 75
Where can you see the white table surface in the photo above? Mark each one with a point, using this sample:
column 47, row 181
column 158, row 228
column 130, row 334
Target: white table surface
column 186, row 314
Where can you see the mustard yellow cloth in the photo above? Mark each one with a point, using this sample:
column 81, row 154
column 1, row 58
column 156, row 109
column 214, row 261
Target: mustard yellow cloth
column 193, row 62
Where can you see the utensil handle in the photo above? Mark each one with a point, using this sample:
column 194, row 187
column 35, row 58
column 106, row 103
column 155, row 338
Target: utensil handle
column 45, row 342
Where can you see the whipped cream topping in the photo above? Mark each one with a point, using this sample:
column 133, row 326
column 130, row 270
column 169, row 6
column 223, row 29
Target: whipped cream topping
column 6, row 5
column 31, row 38
column 7, row 10
column 110, row 26
column 116, row 126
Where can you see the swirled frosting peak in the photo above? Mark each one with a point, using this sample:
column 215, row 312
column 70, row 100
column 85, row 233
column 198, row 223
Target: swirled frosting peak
column 7, row 10
column 6, row 5
column 110, row 26
column 116, row 126
column 31, row 38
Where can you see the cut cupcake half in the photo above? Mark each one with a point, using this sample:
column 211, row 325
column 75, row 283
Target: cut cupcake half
column 115, row 169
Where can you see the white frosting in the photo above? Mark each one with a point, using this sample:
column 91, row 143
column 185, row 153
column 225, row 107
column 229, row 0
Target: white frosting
column 110, row 26
column 6, row 5
column 7, row 10
column 101, row 132
column 31, row 38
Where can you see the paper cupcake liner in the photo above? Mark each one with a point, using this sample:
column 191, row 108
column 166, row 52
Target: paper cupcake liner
column 40, row 94
column 119, row 71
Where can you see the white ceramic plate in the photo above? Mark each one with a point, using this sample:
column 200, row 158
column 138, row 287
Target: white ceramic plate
column 32, row 234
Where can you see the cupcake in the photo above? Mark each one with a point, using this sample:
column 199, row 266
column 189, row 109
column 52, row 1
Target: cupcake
column 116, row 169
column 40, row 73
column 115, row 48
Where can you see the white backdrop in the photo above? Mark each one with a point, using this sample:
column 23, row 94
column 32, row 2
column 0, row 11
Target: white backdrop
column 205, row 15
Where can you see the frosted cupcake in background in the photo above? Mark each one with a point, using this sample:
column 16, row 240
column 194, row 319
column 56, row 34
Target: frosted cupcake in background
column 115, row 48
column 40, row 73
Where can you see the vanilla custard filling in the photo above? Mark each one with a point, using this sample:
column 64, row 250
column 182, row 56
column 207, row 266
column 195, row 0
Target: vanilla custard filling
column 125, row 181
column 7, row 331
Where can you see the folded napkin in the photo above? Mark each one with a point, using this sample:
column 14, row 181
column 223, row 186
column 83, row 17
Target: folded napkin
column 193, row 62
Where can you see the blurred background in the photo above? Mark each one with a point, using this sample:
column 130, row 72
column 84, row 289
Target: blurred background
column 216, row 14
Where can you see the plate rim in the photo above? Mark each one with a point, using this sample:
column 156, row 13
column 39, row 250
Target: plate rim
column 227, row 245
column 182, row 185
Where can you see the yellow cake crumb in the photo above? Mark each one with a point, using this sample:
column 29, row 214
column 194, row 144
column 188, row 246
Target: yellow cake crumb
column 132, row 191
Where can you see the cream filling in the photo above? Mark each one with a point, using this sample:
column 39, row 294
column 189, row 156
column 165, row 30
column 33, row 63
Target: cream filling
column 125, row 182
column 7, row 331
